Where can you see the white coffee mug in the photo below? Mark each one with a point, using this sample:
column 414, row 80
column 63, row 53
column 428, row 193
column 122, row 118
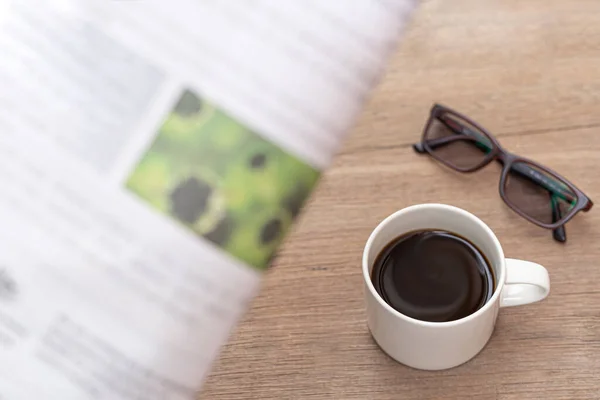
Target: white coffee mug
column 440, row 345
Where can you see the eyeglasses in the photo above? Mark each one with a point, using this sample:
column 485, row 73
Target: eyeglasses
column 533, row 191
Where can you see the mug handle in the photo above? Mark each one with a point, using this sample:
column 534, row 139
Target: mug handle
column 526, row 282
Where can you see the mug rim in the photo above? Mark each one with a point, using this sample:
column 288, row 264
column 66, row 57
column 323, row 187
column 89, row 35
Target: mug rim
column 367, row 276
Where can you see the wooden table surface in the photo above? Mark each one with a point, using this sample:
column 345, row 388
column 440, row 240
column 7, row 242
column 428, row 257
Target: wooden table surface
column 528, row 71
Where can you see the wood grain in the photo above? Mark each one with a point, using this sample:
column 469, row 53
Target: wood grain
column 527, row 71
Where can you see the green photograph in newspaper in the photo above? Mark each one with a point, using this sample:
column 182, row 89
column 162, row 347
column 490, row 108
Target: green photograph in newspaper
column 223, row 181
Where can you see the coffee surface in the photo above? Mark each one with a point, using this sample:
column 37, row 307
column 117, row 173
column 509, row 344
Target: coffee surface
column 433, row 275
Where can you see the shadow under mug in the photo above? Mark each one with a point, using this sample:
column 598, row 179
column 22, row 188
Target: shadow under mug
column 441, row 345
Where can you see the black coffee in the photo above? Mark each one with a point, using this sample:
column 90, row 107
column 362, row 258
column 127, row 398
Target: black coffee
column 433, row 275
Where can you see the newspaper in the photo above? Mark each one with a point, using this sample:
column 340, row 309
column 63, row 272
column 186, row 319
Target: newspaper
column 152, row 156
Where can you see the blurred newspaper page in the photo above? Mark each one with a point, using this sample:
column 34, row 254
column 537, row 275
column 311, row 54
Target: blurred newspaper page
column 152, row 156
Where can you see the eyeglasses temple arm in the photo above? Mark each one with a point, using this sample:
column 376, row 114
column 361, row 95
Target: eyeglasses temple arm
column 419, row 148
column 559, row 234
column 439, row 142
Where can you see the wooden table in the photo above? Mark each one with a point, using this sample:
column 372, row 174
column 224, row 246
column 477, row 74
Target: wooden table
column 529, row 71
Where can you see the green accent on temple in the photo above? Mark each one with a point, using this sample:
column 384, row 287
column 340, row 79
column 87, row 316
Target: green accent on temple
column 223, row 181
column 573, row 204
column 483, row 146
